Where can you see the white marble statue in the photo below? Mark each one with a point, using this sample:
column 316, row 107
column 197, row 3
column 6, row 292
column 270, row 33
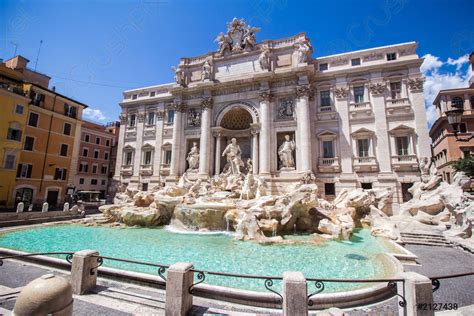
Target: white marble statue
column 20, row 207
column 264, row 59
column 193, row 158
column 285, row 153
column 425, row 166
column 178, row 75
column 233, row 153
column 224, row 43
column 66, row 207
column 206, row 70
column 302, row 52
column 45, row 207
column 250, row 40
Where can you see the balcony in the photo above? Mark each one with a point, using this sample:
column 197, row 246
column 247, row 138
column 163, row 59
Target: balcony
column 360, row 111
column 146, row 170
column 405, row 163
column 368, row 164
column 399, row 108
column 165, row 169
column 326, row 113
column 127, row 170
column 328, row 164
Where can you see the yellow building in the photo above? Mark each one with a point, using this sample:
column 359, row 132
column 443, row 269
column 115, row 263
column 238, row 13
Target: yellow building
column 13, row 115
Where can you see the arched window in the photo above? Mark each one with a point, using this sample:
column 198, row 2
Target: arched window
column 457, row 102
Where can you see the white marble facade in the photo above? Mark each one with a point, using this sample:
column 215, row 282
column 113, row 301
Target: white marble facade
column 357, row 119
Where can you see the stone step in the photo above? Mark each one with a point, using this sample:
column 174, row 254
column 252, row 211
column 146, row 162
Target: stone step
column 428, row 244
column 421, row 235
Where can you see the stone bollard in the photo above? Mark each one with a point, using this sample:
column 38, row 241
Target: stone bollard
column 20, row 207
column 81, row 277
column 66, row 207
column 45, row 207
column 47, row 295
column 30, row 208
column 418, row 292
column 295, row 294
column 178, row 281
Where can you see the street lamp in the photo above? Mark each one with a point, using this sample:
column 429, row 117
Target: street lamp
column 454, row 119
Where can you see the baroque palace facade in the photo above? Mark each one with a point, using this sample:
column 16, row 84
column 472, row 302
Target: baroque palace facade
column 355, row 119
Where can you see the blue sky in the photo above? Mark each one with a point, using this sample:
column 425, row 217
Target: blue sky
column 93, row 50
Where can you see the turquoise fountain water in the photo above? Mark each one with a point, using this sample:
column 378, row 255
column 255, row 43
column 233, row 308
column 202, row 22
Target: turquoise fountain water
column 355, row 259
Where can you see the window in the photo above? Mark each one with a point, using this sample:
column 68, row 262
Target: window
column 151, row 118
column 147, row 158
column 37, row 98
column 86, row 138
column 457, row 102
column 81, row 181
column 19, row 109
column 462, row 128
column 14, row 133
column 85, row 152
column 70, row 110
column 103, row 170
column 128, row 158
column 107, row 142
column 144, row 186
column 63, row 151
column 167, row 157
column 359, row 94
column 103, row 182
column 67, row 129
column 472, row 102
column 323, row 67
column 9, row 161
column 391, row 56
column 328, row 149
column 363, row 147
column 325, row 97
column 134, row 96
column 29, row 143
column 60, row 174
column 94, row 181
column 106, row 156
column 355, row 61
column 396, row 90
column 94, row 168
column 152, row 94
column 466, row 153
column 131, row 121
column 97, row 140
column 329, row 189
column 33, row 119
column 402, row 145
column 24, row 170
column 170, row 116
column 83, row 167
column 366, row 185
column 96, row 154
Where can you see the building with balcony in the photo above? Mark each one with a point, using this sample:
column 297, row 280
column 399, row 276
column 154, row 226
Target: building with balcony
column 446, row 148
column 97, row 157
column 357, row 119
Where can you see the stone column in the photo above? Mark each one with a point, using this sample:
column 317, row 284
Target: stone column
column 418, row 292
column 345, row 148
column 121, row 140
column 421, row 126
column 179, row 108
column 157, row 156
column 137, row 161
column 218, row 153
column 255, row 150
column 178, row 299
column 303, row 128
column 82, row 280
column 383, row 152
column 295, row 296
column 205, row 144
column 264, row 148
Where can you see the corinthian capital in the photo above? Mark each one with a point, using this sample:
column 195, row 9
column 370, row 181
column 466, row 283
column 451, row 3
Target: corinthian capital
column 206, row 103
column 303, row 91
column 265, row 95
column 179, row 107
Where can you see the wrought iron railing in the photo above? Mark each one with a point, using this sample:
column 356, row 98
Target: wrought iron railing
column 437, row 284
column 268, row 280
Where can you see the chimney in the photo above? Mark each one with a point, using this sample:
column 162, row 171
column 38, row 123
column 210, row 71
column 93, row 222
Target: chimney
column 17, row 63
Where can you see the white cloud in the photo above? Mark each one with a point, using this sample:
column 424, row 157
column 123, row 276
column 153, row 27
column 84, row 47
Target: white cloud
column 94, row 114
column 439, row 78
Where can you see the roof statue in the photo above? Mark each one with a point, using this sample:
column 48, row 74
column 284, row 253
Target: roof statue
column 240, row 37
